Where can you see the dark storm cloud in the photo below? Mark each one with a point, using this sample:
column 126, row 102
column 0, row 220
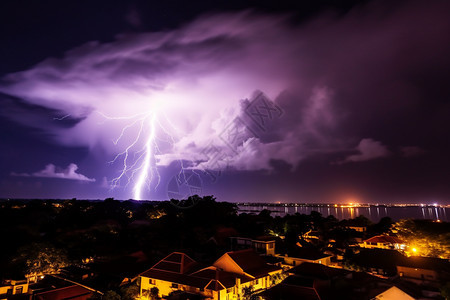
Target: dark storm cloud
column 353, row 88
column 367, row 149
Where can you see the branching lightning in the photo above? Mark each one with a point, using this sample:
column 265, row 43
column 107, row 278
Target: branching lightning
column 138, row 159
column 146, row 170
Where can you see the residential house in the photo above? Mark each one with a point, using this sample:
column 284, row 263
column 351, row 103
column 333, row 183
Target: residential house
column 424, row 269
column 224, row 279
column 13, row 287
column 310, row 236
column 69, row 292
column 54, row 287
column 318, row 272
column 354, row 224
column 378, row 261
column 293, row 287
column 384, row 242
column 263, row 245
column 393, row 293
column 302, row 254
column 358, row 228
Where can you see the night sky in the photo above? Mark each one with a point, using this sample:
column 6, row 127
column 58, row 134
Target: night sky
column 250, row 101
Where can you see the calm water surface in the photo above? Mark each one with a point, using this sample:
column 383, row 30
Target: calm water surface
column 372, row 213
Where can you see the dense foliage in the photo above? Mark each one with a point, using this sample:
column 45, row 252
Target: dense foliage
column 425, row 237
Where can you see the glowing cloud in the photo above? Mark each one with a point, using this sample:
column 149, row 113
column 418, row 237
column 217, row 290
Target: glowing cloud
column 368, row 149
column 50, row 171
column 151, row 99
column 146, row 101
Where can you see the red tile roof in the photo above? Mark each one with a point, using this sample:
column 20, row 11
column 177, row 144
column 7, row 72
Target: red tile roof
column 427, row 263
column 215, row 285
column 175, row 262
column 185, row 279
column 318, row 271
column 385, row 239
column 69, row 292
column 179, row 268
column 226, row 278
column 287, row 291
column 307, row 253
column 252, row 263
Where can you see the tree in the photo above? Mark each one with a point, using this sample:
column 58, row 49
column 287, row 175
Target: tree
column 361, row 220
column 425, row 237
column 151, row 293
column 130, row 292
column 42, row 258
column 154, row 292
column 111, row 295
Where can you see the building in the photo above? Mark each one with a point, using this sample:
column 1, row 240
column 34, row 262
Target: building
column 293, row 287
column 263, row 245
column 424, row 269
column 13, row 287
column 318, row 272
column 226, row 278
column 393, row 293
column 301, row 255
column 75, row 292
column 384, row 242
column 311, row 236
column 357, row 228
column 54, row 287
column 378, row 261
column 358, row 224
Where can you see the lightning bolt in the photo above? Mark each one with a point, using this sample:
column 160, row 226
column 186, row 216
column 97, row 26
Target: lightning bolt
column 138, row 159
column 146, row 173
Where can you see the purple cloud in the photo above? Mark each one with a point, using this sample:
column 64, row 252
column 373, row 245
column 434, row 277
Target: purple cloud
column 175, row 92
column 50, row 171
column 368, row 149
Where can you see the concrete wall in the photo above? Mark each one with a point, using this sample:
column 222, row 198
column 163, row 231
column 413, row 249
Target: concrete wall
column 417, row 273
column 294, row 261
column 15, row 288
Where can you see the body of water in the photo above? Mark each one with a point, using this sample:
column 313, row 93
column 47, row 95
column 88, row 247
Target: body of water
column 373, row 213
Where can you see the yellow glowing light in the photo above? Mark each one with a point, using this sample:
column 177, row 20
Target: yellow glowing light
column 414, row 250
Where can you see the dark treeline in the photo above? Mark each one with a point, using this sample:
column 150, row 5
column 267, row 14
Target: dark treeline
column 69, row 232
